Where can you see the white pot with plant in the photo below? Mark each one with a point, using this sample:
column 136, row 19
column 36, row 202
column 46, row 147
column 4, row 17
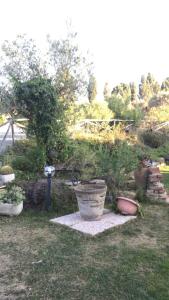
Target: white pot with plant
column 6, row 174
column 11, row 200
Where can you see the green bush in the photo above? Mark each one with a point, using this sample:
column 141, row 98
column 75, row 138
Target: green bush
column 37, row 159
column 153, row 139
column 6, row 170
column 23, row 146
column 156, row 153
column 12, row 195
column 117, row 161
column 141, row 195
column 33, row 161
column 22, row 163
column 83, row 160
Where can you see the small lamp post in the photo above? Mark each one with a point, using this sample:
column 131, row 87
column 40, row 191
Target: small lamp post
column 49, row 172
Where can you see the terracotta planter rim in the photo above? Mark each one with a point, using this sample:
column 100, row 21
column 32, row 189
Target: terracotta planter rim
column 129, row 200
column 90, row 188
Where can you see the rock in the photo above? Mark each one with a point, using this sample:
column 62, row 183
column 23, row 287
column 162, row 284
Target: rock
column 154, row 170
column 131, row 176
column 131, row 184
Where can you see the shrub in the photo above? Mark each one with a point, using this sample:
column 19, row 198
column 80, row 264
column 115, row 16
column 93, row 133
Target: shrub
column 12, row 195
column 22, row 163
column 117, row 162
column 159, row 152
column 37, row 159
column 33, row 161
column 118, row 105
column 136, row 114
column 98, row 110
column 23, row 146
column 158, row 115
column 141, row 195
column 5, row 170
column 153, row 139
column 102, row 133
column 83, row 160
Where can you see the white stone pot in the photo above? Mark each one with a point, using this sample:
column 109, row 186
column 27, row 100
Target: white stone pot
column 91, row 198
column 11, row 209
column 7, row 178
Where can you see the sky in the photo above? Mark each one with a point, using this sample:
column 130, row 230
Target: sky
column 125, row 38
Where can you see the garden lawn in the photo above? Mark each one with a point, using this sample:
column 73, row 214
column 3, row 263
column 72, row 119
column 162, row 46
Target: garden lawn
column 40, row 260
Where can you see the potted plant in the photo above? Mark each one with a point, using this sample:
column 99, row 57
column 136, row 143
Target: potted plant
column 11, row 200
column 6, row 174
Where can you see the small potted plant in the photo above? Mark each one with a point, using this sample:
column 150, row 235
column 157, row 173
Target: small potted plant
column 6, row 174
column 11, row 200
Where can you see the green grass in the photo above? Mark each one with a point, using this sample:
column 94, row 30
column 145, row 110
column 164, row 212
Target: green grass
column 40, row 260
column 165, row 171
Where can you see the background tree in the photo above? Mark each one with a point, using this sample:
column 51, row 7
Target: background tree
column 106, row 91
column 122, row 90
column 92, row 88
column 70, row 68
column 148, row 87
column 133, row 89
column 165, row 85
column 120, row 99
column 21, row 59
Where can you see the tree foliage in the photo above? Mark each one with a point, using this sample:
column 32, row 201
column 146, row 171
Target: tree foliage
column 21, row 59
column 98, row 110
column 165, row 85
column 36, row 100
column 92, row 88
column 69, row 67
column 106, row 91
column 148, row 87
column 122, row 90
column 133, row 90
column 118, row 105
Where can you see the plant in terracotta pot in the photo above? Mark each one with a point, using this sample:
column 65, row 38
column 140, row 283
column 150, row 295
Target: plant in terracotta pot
column 11, row 200
column 6, row 174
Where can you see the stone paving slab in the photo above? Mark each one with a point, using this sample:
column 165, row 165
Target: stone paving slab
column 108, row 220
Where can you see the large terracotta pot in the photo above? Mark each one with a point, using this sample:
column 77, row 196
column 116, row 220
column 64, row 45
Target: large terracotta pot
column 127, row 206
column 91, row 198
